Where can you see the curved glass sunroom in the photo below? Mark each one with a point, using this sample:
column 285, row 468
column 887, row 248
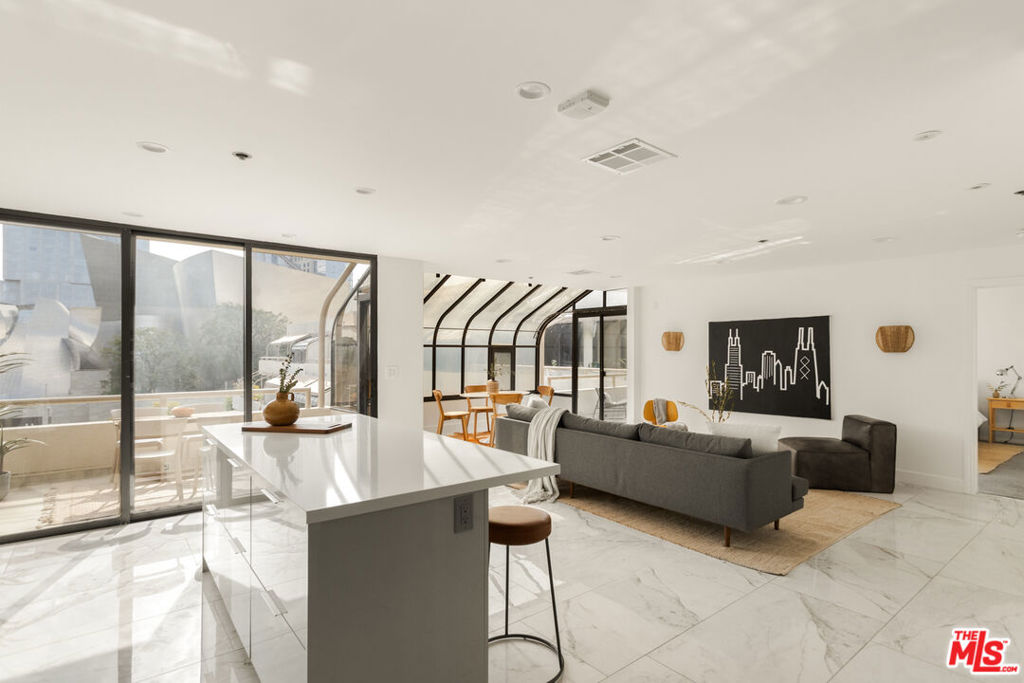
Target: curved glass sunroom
column 518, row 333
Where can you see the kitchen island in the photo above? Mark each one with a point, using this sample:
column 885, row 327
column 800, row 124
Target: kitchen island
column 354, row 556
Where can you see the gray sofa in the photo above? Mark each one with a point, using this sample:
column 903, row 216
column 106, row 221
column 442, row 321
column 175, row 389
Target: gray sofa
column 718, row 479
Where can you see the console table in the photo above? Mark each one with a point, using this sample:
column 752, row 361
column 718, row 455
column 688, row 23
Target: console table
column 995, row 404
column 359, row 555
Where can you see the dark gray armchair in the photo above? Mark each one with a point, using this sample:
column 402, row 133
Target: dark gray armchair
column 863, row 460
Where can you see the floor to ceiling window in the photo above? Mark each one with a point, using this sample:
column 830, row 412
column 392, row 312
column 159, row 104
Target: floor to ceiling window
column 96, row 430
column 60, row 325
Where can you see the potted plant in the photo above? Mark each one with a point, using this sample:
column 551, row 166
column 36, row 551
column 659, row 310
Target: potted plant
column 721, row 397
column 283, row 410
column 10, row 361
column 493, row 373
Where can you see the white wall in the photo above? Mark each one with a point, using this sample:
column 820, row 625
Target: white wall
column 928, row 392
column 1000, row 344
column 399, row 345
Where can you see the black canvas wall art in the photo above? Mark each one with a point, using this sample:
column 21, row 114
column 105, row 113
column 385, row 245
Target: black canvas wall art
column 778, row 366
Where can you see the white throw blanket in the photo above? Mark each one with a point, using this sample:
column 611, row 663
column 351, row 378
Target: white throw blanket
column 540, row 444
column 660, row 411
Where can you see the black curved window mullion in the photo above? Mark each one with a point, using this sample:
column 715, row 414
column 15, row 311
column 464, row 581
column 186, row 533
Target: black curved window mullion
column 440, row 318
column 515, row 335
column 524, row 297
column 482, row 308
column 544, row 326
column 560, row 311
column 436, row 287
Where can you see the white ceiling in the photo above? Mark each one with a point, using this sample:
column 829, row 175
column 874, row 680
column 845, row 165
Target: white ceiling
column 758, row 98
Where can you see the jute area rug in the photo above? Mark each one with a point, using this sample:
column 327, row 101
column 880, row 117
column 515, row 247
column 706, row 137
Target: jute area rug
column 827, row 517
column 992, row 455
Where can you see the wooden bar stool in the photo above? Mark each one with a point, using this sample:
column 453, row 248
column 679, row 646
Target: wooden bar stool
column 510, row 525
column 476, row 410
column 442, row 417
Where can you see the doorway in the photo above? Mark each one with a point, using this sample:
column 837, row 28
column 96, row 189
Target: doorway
column 1000, row 391
column 600, row 376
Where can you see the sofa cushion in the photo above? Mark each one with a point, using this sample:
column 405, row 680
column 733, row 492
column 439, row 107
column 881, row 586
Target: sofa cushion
column 692, row 441
column 763, row 438
column 798, row 487
column 586, row 424
column 820, row 444
column 534, row 401
column 518, row 412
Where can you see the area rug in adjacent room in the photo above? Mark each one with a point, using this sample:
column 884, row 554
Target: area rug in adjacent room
column 827, row 517
column 992, row 455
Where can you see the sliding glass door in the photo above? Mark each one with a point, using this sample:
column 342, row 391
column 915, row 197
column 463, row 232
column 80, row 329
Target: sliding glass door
column 60, row 324
column 600, row 374
column 119, row 344
column 188, row 369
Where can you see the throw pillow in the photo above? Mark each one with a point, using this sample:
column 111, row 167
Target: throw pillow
column 692, row 441
column 520, row 412
column 534, row 401
column 586, row 424
column 678, row 426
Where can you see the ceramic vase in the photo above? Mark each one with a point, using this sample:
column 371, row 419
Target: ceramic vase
column 282, row 411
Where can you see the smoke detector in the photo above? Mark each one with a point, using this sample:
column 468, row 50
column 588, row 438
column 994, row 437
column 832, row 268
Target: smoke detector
column 629, row 156
column 588, row 103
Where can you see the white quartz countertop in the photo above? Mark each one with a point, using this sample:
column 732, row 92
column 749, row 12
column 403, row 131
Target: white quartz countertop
column 373, row 466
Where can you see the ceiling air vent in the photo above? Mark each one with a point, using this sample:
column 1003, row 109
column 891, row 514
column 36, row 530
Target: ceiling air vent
column 629, row 156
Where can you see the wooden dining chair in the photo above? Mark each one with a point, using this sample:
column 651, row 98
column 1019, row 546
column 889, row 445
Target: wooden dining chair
column 475, row 410
column 442, row 417
column 501, row 399
column 548, row 393
column 671, row 412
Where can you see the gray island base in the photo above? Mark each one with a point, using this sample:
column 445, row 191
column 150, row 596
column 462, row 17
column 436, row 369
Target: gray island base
column 355, row 556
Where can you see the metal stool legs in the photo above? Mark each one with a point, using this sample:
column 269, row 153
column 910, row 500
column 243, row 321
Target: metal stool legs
column 557, row 649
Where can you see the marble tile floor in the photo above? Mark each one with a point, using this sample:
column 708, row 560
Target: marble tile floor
column 57, row 501
column 126, row 604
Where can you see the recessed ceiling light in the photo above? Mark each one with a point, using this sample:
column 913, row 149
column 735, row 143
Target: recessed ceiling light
column 804, row 243
column 241, row 156
column 1020, row 234
column 132, row 214
column 533, row 90
column 926, row 135
column 791, row 199
column 365, row 190
column 610, row 238
column 288, row 235
column 883, row 240
column 614, row 277
column 154, row 147
column 502, row 260
column 980, row 186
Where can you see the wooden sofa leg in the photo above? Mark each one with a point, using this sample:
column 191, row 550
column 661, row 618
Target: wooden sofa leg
column 572, row 489
column 728, row 537
column 776, row 525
